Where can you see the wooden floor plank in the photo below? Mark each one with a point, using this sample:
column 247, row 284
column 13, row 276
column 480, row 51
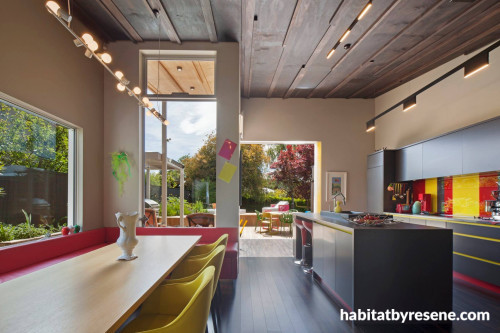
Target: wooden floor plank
column 274, row 295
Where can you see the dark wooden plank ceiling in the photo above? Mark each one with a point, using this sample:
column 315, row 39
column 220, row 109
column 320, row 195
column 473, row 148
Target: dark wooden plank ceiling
column 284, row 43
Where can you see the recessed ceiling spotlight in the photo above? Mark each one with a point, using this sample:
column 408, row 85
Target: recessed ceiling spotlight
column 179, row 68
column 347, row 46
column 191, row 88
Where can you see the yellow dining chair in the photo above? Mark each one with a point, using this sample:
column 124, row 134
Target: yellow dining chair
column 189, row 269
column 205, row 249
column 177, row 308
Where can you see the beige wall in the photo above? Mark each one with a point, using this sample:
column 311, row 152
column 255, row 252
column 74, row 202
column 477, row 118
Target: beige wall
column 452, row 104
column 339, row 124
column 40, row 65
column 123, row 126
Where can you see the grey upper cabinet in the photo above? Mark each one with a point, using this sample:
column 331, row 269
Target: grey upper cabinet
column 443, row 156
column 379, row 174
column 409, row 163
column 479, row 147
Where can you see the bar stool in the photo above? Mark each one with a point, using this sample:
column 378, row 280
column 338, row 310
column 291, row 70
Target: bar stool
column 307, row 247
column 303, row 234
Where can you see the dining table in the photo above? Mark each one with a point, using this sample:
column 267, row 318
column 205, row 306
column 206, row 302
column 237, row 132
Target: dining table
column 93, row 292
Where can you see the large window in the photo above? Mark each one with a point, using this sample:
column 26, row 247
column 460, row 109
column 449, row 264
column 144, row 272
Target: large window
column 36, row 181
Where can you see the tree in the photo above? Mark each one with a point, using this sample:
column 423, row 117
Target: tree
column 31, row 141
column 253, row 160
column 293, row 171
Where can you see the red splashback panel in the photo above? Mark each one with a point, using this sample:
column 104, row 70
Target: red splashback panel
column 418, row 188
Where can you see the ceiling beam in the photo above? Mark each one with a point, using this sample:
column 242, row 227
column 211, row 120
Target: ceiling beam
column 369, row 30
column 206, row 7
column 281, row 62
column 119, row 18
column 423, row 45
column 165, row 20
column 348, row 78
column 461, row 48
column 248, row 12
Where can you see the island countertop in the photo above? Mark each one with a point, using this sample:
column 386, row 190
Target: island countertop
column 345, row 224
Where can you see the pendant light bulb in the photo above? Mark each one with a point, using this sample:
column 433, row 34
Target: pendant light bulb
column 119, row 75
column 93, row 46
column 149, row 104
column 166, row 122
column 120, row 87
column 137, row 90
column 145, row 100
column 53, row 6
column 106, row 58
column 148, row 113
column 87, row 38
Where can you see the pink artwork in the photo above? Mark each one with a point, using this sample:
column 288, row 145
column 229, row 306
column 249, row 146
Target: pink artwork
column 227, row 149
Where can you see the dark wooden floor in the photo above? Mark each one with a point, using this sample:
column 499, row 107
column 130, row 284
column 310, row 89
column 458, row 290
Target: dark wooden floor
column 273, row 295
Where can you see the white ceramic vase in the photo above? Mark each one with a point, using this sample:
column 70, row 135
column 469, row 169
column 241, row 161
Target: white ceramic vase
column 127, row 240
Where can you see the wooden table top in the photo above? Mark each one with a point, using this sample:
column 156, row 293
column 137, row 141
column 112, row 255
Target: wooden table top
column 90, row 293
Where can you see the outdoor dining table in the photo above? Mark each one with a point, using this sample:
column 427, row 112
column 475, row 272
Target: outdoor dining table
column 93, row 292
column 275, row 217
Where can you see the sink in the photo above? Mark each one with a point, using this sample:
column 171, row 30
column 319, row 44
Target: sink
column 346, row 214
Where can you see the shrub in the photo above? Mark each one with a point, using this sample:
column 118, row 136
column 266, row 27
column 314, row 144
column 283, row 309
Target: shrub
column 173, row 207
column 25, row 230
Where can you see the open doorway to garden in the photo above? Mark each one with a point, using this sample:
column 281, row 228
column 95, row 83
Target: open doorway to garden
column 277, row 180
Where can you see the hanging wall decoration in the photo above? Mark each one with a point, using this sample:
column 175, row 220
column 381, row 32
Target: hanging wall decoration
column 121, row 168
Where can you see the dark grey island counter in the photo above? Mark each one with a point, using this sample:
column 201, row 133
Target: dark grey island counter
column 405, row 267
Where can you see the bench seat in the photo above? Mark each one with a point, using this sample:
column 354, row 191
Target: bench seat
column 21, row 259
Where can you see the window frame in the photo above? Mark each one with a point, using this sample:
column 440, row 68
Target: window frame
column 75, row 158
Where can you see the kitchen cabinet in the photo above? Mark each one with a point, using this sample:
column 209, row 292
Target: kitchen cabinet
column 380, row 173
column 436, row 223
column 344, row 269
column 318, row 249
column 478, row 154
column 409, row 163
column 442, row 156
column 329, row 243
column 417, row 221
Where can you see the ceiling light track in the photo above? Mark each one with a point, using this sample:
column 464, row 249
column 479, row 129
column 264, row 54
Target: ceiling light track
column 471, row 66
column 87, row 41
column 348, row 31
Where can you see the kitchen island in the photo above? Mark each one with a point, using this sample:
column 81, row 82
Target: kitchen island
column 402, row 266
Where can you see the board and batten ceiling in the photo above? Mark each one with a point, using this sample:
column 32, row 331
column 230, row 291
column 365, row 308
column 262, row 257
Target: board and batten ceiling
column 284, row 43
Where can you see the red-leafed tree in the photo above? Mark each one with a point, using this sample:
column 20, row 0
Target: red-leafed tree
column 293, row 171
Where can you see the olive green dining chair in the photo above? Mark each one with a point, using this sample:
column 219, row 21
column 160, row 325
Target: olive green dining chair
column 177, row 308
column 205, row 249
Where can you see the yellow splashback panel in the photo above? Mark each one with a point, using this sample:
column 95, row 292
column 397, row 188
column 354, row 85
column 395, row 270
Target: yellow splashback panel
column 431, row 187
column 465, row 195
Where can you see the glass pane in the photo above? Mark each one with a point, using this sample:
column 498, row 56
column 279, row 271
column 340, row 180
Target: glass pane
column 33, row 174
column 190, row 146
column 191, row 77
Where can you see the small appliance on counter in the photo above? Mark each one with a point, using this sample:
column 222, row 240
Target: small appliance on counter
column 425, row 202
column 493, row 206
column 403, row 208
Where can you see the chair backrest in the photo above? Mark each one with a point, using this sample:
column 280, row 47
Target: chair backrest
column 201, row 219
column 195, row 266
column 259, row 215
column 195, row 315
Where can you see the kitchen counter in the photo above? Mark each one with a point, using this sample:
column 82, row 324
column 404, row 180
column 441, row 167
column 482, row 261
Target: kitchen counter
column 450, row 218
column 402, row 266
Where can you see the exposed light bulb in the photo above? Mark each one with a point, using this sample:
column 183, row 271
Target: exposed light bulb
column 145, row 100
column 53, row 6
column 150, row 105
column 166, row 122
column 119, row 75
column 345, row 35
column 329, row 55
column 106, row 58
column 120, row 87
column 93, row 45
column 87, row 38
column 365, row 10
column 137, row 90
column 148, row 113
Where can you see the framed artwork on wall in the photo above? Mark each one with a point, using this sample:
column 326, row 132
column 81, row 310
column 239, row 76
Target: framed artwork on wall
column 336, row 181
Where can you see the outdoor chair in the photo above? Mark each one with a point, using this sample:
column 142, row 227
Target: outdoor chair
column 201, row 220
column 287, row 218
column 262, row 220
